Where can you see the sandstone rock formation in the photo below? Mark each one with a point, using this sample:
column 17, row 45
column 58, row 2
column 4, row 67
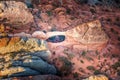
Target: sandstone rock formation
column 89, row 34
column 22, row 56
column 86, row 36
column 15, row 44
column 14, row 13
column 97, row 77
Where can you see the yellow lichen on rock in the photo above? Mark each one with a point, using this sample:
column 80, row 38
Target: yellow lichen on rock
column 2, row 28
column 16, row 44
column 11, row 71
column 98, row 77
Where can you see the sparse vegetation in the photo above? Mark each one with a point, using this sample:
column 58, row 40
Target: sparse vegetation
column 112, row 30
column 83, row 53
column 66, row 67
column 81, row 70
column 96, row 72
column 92, row 68
column 119, row 38
column 97, row 53
column 2, row 59
column 68, row 11
column 82, row 61
column 89, row 58
column 116, row 65
column 75, row 75
column 69, row 54
column 49, row 13
column 99, row 57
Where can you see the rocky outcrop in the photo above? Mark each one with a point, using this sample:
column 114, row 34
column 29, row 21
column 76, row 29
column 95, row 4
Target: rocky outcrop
column 14, row 13
column 22, row 56
column 15, row 44
column 97, row 77
column 86, row 36
column 89, row 34
column 17, row 71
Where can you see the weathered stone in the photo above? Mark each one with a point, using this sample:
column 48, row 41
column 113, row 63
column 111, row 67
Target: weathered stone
column 33, row 62
column 98, row 77
column 7, row 67
column 23, row 57
column 43, row 54
column 15, row 44
column 89, row 33
column 2, row 28
column 39, row 65
column 17, row 71
column 10, row 13
column 86, row 36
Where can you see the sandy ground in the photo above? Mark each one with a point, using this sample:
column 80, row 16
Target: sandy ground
column 75, row 63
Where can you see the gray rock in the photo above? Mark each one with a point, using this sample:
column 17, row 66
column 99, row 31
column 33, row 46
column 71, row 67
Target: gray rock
column 94, row 2
column 25, row 56
column 27, row 72
column 43, row 54
column 39, row 65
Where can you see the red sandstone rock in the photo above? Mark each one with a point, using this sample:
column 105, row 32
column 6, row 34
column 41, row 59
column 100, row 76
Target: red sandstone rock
column 87, row 36
column 14, row 13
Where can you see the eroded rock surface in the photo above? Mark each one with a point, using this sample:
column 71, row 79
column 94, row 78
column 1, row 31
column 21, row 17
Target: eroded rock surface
column 98, row 77
column 15, row 44
column 22, row 56
column 89, row 34
column 86, row 36
column 10, row 13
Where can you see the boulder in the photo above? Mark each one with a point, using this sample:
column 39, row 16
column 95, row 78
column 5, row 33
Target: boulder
column 39, row 65
column 90, row 34
column 23, row 56
column 14, row 13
